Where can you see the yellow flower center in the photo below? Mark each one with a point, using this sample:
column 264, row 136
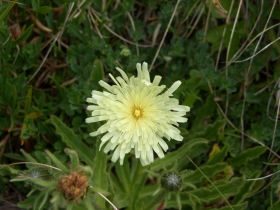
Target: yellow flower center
column 137, row 112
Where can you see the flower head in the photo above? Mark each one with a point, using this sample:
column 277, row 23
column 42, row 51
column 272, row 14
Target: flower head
column 138, row 115
column 171, row 181
column 73, row 186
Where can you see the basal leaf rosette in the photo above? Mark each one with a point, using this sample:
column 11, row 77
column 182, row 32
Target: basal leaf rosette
column 138, row 115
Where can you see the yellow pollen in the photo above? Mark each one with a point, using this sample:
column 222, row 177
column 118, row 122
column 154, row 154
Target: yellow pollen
column 137, row 112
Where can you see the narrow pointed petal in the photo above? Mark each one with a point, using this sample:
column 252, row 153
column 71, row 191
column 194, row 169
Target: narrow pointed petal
column 136, row 115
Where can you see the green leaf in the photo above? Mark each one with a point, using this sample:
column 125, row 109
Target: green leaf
column 138, row 180
column 87, row 203
column 27, row 203
column 28, row 157
column 44, row 9
column 15, row 98
column 211, row 131
column 14, row 156
column 57, row 162
column 97, row 72
column 219, row 157
column 38, row 200
column 24, row 36
column 99, row 177
column 39, row 182
column 208, row 194
column 191, row 98
column 74, row 158
column 95, row 189
column 121, row 199
column 275, row 206
column 34, row 4
column 247, row 155
column 123, row 173
column 194, row 201
column 204, row 112
column 209, row 171
column 8, row 48
column 28, row 101
column 191, row 90
column 155, row 200
column 43, row 201
column 7, row 170
column 7, row 10
column 196, row 152
column 75, row 30
column 62, row 90
column 172, row 156
column 247, row 189
column 215, row 35
column 73, row 141
column 116, row 183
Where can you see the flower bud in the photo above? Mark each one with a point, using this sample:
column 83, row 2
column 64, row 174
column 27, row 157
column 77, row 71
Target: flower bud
column 171, row 181
column 41, row 173
column 74, row 186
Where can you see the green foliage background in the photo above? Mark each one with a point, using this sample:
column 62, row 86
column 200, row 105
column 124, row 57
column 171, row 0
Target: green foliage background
column 53, row 53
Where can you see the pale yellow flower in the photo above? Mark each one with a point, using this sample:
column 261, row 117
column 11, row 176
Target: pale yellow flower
column 138, row 115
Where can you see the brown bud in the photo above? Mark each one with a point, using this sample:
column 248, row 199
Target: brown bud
column 73, row 186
